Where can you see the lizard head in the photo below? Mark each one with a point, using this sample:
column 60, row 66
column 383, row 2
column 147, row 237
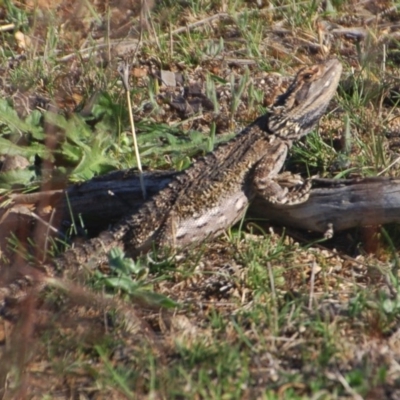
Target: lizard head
column 297, row 110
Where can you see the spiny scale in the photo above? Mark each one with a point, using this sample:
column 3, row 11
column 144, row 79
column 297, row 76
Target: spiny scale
column 214, row 192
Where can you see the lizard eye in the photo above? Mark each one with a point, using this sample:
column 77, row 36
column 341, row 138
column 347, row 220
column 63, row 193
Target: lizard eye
column 307, row 76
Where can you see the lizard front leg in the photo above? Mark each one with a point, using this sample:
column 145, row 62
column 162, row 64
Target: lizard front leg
column 298, row 189
column 284, row 188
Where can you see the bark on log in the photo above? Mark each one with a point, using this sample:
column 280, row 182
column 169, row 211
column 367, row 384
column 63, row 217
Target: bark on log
column 344, row 203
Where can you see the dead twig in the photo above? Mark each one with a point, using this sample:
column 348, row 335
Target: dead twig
column 124, row 73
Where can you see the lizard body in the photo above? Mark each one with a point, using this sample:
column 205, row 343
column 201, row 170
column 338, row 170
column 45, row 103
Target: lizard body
column 215, row 191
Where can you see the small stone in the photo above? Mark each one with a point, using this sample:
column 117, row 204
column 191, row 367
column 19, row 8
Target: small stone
column 139, row 72
column 168, row 78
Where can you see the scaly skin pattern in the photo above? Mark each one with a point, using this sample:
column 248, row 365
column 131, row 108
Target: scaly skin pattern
column 215, row 191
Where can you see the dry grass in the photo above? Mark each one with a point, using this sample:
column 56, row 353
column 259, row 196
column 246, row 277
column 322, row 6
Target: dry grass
column 261, row 315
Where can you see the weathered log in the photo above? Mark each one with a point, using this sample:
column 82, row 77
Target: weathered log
column 342, row 203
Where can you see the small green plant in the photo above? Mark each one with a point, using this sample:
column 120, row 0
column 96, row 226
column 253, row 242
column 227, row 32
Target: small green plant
column 237, row 91
column 15, row 14
column 129, row 277
column 316, row 155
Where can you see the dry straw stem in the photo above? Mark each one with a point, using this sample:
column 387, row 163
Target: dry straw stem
column 7, row 27
column 123, row 70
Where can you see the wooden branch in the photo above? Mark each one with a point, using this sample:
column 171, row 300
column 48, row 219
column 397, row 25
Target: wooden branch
column 341, row 205
column 344, row 203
